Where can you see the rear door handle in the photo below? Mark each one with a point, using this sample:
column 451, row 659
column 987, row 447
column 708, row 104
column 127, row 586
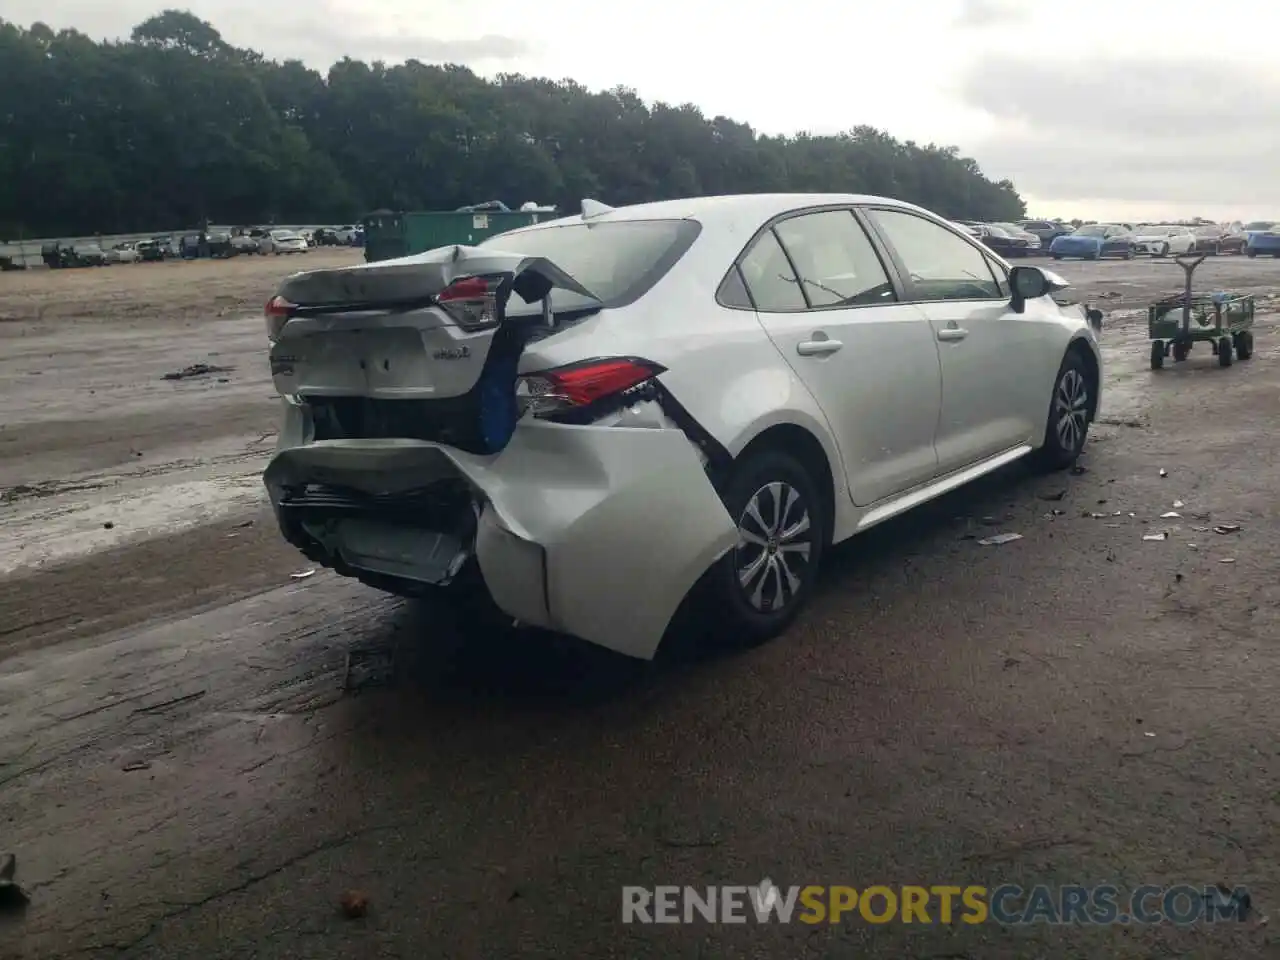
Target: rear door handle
column 952, row 333
column 817, row 348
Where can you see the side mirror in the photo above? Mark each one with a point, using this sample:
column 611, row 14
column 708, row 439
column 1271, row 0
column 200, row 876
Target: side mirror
column 1027, row 283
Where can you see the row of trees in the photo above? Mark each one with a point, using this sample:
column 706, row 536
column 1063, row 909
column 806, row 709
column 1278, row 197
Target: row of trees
column 176, row 125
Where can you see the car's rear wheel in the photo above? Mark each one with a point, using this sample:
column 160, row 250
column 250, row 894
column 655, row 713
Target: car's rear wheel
column 759, row 586
column 1070, row 410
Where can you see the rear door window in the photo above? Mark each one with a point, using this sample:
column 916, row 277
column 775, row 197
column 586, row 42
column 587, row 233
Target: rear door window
column 770, row 278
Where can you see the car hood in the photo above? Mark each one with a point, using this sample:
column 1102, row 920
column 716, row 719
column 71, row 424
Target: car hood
column 1077, row 238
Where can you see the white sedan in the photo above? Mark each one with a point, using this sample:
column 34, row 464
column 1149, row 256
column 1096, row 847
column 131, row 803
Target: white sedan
column 283, row 241
column 1161, row 240
column 126, row 252
column 585, row 421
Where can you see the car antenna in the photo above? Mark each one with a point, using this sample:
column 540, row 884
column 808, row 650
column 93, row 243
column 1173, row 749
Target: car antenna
column 594, row 208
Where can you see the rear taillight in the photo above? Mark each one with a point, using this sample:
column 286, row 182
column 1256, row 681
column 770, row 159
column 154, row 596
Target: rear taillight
column 472, row 302
column 277, row 312
column 585, row 385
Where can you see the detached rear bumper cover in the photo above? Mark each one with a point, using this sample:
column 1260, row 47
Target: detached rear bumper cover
column 598, row 532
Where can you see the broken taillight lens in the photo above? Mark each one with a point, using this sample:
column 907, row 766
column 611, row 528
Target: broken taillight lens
column 277, row 312
column 582, row 385
column 471, row 302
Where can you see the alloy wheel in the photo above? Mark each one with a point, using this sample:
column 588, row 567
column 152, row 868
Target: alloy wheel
column 775, row 542
column 1071, row 409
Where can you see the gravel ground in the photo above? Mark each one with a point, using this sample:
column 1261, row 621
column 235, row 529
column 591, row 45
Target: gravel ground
column 182, row 775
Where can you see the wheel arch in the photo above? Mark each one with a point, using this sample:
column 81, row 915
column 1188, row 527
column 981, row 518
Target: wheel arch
column 805, row 447
column 1080, row 346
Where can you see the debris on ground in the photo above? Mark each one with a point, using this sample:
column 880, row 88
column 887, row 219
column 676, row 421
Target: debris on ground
column 1171, row 515
column 354, row 904
column 1053, row 495
column 136, row 765
column 1227, row 560
column 108, row 525
column 1178, row 504
column 1156, row 536
column 999, row 539
column 1079, row 471
column 303, row 574
column 196, row 370
column 1227, row 528
column 1164, row 472
column 12, row 896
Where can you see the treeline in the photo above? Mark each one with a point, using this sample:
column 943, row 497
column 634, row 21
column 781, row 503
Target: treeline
column 176, row 126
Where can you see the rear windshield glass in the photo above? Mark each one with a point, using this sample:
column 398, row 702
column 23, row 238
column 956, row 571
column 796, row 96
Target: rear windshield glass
column 618, row 261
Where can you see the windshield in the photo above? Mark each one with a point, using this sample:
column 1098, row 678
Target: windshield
column 996, row 230
column 1259, row 225
column 617, row 260
column 1211, row 231
column 1157, row 230
column 1092, row 230
column 1009, row 228
column 283, row 235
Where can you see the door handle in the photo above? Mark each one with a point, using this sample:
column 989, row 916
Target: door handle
column 817, row 348
column 952, row 333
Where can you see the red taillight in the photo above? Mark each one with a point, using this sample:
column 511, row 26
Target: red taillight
column 583, row 384
column 277, row 312
column 472, row 302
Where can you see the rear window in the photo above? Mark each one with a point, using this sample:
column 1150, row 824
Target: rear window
column 618, row 261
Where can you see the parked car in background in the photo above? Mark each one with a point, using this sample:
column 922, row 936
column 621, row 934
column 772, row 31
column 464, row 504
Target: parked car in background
column 1003, row 242
column 1093, row 241
column 168, row 246
column 126, row 252
column 149, row 251
column 190, row 246
column 219, row 242
column 243, row 243
column 1264, row 242
column 848, row 358
column 88, row 255
column 327, row 237
column 1208, row 239
column 1234, row 240
column 1163, row 239
column 346, row 235
column 308, row 236
column 1046, row 230
column 1033, row 244
column 283, row 241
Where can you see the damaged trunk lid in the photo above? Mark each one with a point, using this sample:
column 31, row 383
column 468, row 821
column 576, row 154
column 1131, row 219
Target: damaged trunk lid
column 418, row 348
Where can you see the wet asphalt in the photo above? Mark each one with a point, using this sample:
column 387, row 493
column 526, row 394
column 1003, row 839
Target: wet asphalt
column 183, row 774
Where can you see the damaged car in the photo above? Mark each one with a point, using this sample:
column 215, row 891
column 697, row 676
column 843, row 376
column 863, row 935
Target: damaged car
column 594, row 421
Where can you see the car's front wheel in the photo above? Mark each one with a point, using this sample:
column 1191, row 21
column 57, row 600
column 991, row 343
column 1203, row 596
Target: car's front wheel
column 1069, row 413
column 759, row 586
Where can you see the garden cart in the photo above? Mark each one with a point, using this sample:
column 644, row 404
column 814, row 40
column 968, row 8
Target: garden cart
column 1222, row 320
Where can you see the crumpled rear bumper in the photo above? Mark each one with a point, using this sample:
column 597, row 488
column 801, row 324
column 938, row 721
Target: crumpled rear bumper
column 598, row 532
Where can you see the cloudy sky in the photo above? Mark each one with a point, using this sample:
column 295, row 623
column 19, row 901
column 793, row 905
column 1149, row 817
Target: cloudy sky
column 1101, row 108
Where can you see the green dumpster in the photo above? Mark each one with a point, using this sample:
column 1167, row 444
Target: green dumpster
column 389, row 233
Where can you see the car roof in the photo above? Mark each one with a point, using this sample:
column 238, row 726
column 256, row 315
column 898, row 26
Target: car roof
column 731, row 211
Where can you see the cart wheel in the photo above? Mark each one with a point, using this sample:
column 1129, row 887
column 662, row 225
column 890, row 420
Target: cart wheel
column 1224, row 352
column 1157, row 354
column 1180, row 351
column 1244, row 345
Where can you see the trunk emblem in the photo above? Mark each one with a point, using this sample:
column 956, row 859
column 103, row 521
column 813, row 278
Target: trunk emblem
column 452, row 353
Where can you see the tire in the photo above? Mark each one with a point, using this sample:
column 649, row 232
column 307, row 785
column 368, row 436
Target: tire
column 1251, row 253
column 743, row 616
column 1157, row 354
column 1164, row 251
column 1224, row 351
column 1057, row 256
column 1067, row 425
column 1180, row 351
column 1244, row 345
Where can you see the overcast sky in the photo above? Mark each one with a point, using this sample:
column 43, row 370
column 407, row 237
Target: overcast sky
column 1098, row 108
